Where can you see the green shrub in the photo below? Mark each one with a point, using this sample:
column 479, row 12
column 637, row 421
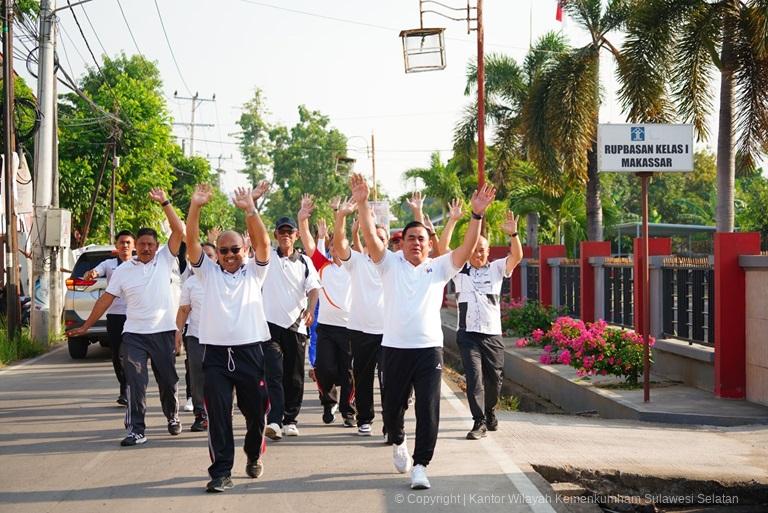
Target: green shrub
column 19, row 348
column 523, row 318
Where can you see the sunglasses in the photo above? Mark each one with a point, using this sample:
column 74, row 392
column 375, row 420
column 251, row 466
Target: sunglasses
column 288, row 231
column 225, row 251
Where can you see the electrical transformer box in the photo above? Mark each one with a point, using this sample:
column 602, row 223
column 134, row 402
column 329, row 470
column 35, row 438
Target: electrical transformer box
column 58, row 227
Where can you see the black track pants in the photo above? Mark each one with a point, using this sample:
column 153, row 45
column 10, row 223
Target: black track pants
column 115, row 323
column 333, row 366
column 240, row 368
column 483, row 358
column 366, row 353
column 285, row 355
column 421, row 369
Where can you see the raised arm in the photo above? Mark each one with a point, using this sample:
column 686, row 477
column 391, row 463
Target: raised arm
column 245, row 200
column 416, row 202
column 177, row 225
column 432, row 236
column 515, row 248
column 360, row 191
column 455, row 212
column 357, row 244
column 200, row 197
column 340, row 242
column 305, row 212
column 480, row 200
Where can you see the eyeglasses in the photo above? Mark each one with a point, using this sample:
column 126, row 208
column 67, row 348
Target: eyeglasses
column 288, row 231
column 225, row 251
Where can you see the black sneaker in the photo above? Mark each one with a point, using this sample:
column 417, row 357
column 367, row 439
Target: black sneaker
column 200, row 424
column 491, row 422
column 329, row 415
column 122, row 400
column 478, row 431
column 174, row 427
column 219, row 484
column 349, row 422
column 133, row 439
column 254, row 468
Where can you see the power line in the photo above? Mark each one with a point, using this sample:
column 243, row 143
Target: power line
column 88, row 19
column 170, row 47
column 125, row 19
column 85, row 39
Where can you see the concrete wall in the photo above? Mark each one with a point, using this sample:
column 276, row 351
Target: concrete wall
column 756, row 268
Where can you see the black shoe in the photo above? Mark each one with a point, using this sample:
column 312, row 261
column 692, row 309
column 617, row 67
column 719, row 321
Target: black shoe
column 133, row 439
column 200, row 424
column 219, row 484
column 329, row 415
column 254, row 468
column 174, row 427
column 349, row 422
column 122, row 400
column 478, row 431
column 491, row 422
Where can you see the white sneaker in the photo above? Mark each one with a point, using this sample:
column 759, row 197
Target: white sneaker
column 419, row 479
column 273, row 431
column 364, row 430
column 401, row 458
column 189, row 406
column 290, row 430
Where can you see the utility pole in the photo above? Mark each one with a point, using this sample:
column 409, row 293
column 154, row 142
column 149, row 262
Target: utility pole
column 196, row 101
column 12, row 275
column 44, row 303
column 115, row 166
column 220, row 170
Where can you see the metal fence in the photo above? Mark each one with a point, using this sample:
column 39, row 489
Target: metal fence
column 532, row 280
column 688, row 298
column 570, row 286
column 619, row 291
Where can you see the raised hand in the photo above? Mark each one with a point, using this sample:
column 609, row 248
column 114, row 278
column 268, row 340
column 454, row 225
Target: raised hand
column 416, row 201
column 157, row 195
column 482, row 197
column 213, row 234
column 260, row 190
column 346, row 207
column 307, row 207
column 322, row 229
column 335, row 202
column 355, row 226
column 359, row 188
column 202, row 195
column 428, row 224
column 243, row 199
column 455, row 209
column 509, row 226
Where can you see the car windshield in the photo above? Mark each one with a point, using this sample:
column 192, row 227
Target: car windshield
column 88, row 261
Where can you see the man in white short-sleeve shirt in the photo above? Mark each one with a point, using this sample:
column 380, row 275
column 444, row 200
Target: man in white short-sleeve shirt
column 124, row 245
column 145, row 284
column 478, row 295
column 233, row 330
column 412, row 352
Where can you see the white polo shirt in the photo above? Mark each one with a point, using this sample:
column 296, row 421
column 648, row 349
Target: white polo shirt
column 366, row 312
column 335, row 296
column 285, row 289
column 192, row 295
column 413, row 296
column 232, row 310
column 106, row 268
column 147, row 290
column 478, row 294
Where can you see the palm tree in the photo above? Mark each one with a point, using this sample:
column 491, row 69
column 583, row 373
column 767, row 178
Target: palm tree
column 440, row 183
column 672, row 50
column 562, row 114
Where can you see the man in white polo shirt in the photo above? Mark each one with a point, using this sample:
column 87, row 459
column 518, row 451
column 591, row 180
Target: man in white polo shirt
column 124, row 245
column 366, row 320
column 412, row 352
column 290, row 295
column 233, row 330
column 144, row 282
column 478, row 294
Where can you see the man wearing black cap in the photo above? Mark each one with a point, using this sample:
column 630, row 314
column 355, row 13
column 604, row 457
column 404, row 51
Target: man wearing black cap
column 290, row 294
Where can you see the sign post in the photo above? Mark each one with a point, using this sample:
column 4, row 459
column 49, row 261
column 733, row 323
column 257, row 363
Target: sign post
column 645, row 149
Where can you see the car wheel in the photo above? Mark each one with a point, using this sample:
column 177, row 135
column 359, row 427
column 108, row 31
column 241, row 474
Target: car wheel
column 78, row 347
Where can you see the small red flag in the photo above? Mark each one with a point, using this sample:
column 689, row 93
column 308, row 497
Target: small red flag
column 559, row 13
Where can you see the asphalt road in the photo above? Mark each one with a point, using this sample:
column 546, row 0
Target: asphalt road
column 59, row 452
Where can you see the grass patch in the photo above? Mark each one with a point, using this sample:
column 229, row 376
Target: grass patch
column 509, row 403
column 18, row 348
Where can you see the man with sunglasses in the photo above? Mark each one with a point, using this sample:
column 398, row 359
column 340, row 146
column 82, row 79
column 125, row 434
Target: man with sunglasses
column 412, row 344
column 290, row 295
column 145, row 283
column 233, row 330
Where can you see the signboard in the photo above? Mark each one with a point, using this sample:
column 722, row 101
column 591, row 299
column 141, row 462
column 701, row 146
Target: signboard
column 646, row 147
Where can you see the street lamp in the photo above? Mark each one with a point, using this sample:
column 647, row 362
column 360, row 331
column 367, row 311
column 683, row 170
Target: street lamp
column 424, row 50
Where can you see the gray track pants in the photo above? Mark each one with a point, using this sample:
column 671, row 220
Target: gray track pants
column 135, row 350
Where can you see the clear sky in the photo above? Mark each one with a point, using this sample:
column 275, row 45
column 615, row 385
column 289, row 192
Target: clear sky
column 342, row 57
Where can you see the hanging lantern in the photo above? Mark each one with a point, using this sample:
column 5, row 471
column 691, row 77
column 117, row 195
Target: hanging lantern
column 423, row 49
